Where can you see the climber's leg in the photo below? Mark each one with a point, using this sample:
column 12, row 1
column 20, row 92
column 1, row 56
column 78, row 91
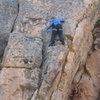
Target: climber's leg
column 61, row 36
column 53, row 35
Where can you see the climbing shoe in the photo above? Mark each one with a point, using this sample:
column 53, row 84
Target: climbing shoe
column 63, row 43
column 51, row 44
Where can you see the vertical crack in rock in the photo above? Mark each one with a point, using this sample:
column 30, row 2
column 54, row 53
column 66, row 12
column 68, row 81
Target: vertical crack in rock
column 57, row 82
column 18, row 7
column 35, row 94
column 99, row 95
column 76, row 82
column 54, row 80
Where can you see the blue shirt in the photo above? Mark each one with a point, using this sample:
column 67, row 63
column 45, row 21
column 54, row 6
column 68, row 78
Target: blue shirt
column 55, row 22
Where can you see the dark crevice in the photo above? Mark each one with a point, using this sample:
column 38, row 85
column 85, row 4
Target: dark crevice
column 98, row 95
column 41, row 68
column 40, row 78
column 43, row 60
column 18, row 6
column 61, row 73
column 97, row 24
column 31, row 96
column 86, row 71
column 3, row 44
column 96, row 36
column 75, row 91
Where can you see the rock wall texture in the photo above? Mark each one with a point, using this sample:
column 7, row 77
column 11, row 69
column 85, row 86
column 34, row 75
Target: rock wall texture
column 32, row 70
column 88, row 87
column 8, row 15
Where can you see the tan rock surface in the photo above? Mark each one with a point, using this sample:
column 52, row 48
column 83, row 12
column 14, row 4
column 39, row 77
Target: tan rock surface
column 18, row 84
column 89, row 85
column 36, row 71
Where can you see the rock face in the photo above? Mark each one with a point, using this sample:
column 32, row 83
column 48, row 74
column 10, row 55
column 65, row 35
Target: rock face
column 23, row 51
column 32, row 70
column 89, row 85
column 8, row 14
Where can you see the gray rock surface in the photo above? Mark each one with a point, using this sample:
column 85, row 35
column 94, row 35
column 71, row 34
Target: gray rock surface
column 36, row 71
column 8, row 14
column 23, row 51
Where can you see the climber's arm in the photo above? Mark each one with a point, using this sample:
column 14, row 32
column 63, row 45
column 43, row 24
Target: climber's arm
column 49, row 26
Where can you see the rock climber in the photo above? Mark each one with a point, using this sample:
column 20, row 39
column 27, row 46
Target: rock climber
column 56, row 25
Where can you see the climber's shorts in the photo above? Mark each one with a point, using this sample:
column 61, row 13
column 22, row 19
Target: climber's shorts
column 57, row 27
column 54, row 29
